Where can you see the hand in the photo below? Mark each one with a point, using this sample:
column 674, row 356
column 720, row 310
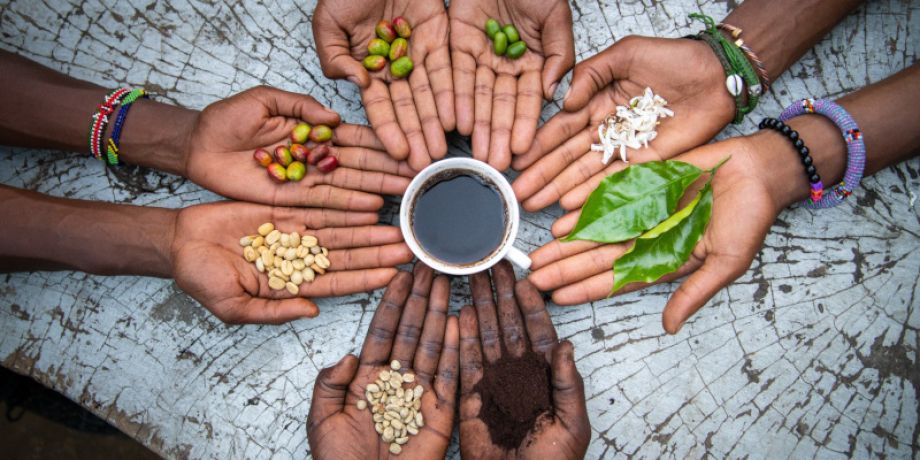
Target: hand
column 208, row 262
column 411, row 329
column 744, row 207
column 410, row 115
column 499, row 99
column 524, row 323
column 560, row 164
column 227, row 133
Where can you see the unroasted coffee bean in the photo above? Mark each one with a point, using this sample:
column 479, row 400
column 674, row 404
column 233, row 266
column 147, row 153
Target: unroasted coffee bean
column 284, row 257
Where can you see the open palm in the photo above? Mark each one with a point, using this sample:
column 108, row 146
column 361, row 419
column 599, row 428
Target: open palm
column 499, row 99
column 228, row 131
column 410, row 326
column 208, row 263
column 742, row 211
column 560, row 164
column 409, row 115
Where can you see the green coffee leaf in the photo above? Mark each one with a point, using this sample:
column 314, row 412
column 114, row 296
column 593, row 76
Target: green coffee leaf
column 667, row 247
column 631, row 201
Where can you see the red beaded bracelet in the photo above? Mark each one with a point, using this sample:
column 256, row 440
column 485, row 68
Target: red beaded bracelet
column 101, row 120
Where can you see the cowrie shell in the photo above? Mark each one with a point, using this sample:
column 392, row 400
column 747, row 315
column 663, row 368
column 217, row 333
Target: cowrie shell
column 734, row 84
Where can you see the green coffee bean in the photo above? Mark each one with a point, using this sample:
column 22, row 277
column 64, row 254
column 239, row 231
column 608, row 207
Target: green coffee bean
column 378, row 47
column 500, row 43
column 492, row 28
column 402, row 67
column 517, row 49
column 512, row 33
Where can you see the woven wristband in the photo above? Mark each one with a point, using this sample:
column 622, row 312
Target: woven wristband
column 112, row 144
column 759, row 66
column 856, row 148
column 101, row 120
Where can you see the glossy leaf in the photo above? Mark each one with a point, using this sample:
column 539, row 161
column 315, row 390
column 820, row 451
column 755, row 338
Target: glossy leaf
column 664, row 250
column 631, row 201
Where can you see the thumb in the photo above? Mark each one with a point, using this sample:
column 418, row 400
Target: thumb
column 330, row 390
column 334, row 50
column 281, row 103
column 595, row 73
column 558, row 47
column 568, row 387
column 695, row 291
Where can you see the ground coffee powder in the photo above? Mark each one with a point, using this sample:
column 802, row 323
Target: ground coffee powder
column 515, row 393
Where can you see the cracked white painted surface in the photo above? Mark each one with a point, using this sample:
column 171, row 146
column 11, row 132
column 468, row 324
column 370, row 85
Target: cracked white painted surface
column 813, row 353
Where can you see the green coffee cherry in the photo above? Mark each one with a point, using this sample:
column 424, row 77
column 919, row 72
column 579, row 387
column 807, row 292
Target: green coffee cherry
column 378, row 47
column 320, row 134
column 500, row 43
column 385, row 31
column 512, row 33
column 398, row 48
column 374, row 63
column 517, row 49
column 492, row 28
column 402, row 67
column 295, row 171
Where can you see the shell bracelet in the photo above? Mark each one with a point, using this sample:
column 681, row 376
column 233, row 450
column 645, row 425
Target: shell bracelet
column 632, row 126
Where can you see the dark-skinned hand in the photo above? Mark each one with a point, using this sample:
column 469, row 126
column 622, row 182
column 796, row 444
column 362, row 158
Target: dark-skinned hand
column 411, row 325
column 208, row 261
column 498, row 99
column 743, row 209
column 520, row 322
column 227, row 133
column 410, row 115
column 560, row 165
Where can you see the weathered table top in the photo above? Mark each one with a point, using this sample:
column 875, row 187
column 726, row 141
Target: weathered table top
column 813, row 353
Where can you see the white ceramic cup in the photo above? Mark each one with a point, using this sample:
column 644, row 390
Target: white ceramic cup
column 505, row 250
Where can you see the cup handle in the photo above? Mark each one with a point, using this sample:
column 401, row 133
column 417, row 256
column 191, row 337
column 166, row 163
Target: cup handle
column 518, row 257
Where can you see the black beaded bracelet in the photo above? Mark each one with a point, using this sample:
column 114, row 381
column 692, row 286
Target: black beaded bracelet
column 817, row 187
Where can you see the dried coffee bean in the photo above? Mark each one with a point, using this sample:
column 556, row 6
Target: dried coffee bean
column 308, row 275
column 395, row 365
column 273, row 237
column 250, row 254
column 297, row 277
column 309, row 241
column 266, row 228
column 276, row 283
column 362, row 404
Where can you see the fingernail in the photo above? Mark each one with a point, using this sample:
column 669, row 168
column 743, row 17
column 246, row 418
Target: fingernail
column 354, row 80
column 552, row 89
column 567, row 92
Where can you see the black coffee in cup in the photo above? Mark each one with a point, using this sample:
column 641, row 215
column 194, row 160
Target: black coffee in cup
column 459, row 217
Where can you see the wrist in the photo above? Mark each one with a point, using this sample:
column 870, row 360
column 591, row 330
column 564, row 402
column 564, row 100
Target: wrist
column 780, row 167
column 156, row 136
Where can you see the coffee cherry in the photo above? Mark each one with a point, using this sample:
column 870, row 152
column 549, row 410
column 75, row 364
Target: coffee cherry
column 512, row 33
column 385, row 31
column 401, row 67
column 300, row 133
column 299, row 152
column 516, row 50
column 295, row 171
column 283, row 155
column 374, row 63
column 277, row 172
column 500, row 43
column 492, row 28
column 318, row 153
column 378, row 47
column 327, row 164
column 399, row 48
column 262, row 157
column 321, row 133
column 403, row 29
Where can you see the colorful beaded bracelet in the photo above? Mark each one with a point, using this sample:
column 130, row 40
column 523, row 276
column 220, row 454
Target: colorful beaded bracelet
column 759, row 66
column 856, row 148
column 112, row 145
column 101, row 120
column 817, row 187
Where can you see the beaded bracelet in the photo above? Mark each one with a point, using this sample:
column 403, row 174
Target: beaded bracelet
column 817, row 187
column 741, row 74
column 101, row 120
column 112, row 145
column 759, row 66
column 856, row 148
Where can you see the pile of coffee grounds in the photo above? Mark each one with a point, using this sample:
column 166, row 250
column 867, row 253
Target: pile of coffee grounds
column 515, row 393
